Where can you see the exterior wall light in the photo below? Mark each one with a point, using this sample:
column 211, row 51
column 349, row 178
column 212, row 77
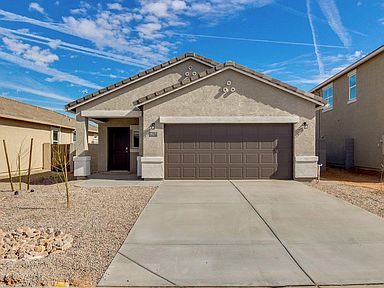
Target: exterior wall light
column 305, row 125
column 153, row 126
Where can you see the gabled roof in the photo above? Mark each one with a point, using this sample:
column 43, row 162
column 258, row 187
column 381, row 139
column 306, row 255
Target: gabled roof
column 21, row 111
column 351, row 67
column 139, row 76
column 234, row 66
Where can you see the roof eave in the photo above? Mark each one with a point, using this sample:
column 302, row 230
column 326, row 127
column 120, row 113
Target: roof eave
column 137, row 77
column 349, row 68
column 228, row 65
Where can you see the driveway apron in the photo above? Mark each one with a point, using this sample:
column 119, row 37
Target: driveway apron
column 249, row 233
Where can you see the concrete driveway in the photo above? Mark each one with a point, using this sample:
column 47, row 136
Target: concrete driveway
column 249, row 233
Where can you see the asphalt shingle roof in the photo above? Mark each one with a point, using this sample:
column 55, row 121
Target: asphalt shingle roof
column 17, row 110
column 142, row 74
column 220, row 67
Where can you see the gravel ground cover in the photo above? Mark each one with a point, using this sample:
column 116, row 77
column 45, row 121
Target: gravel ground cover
column 360, row 189
column 99, row 220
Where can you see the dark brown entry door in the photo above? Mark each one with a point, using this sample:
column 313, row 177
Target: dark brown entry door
column 228, row 151
column 118, row 148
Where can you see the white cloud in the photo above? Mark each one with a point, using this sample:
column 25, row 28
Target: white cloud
column 381, row 21
column 359, row 3
column 149, row 30
column 56, row 75
column 178, row 5
column 332, row 14
column 33, row 53
column 114, row 6
column 36, row 6
column 24, row 35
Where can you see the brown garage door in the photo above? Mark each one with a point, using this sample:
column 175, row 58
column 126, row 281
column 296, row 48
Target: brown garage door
column 228, row 151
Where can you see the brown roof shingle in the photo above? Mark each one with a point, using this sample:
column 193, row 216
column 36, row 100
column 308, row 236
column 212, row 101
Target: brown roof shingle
column 17, row 110
column 142, row 74
column 220, row 67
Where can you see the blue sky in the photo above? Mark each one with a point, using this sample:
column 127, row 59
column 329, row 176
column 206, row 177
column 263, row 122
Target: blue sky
column 52, row 52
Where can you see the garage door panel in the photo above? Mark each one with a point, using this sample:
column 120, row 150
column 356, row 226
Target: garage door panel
column 188, row 159
column 205, row 158
column 205, row 172
column 220, row 172
column 236, row 158
column 251, row 158
column 220, row 158
column 173, row 158
column 228, row 151
column 189, row 172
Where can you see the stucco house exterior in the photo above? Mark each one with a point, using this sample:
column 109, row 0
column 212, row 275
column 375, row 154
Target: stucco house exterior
column 19, row 122
column 194, row 118
column 351, row 126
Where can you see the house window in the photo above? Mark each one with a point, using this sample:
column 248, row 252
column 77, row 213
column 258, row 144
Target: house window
column 328, row 96
column 74, row 137
column 352, row 87
column 135, row 139
column 55, row 135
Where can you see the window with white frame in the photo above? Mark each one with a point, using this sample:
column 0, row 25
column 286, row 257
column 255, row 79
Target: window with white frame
column 352, row 87
column 55, row 136
column 328, row 96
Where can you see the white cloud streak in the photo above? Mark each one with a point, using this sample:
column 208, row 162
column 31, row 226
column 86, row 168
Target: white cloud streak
column 314, row 37
column 30, row 90
column 255, row 40
column 55, row 74
column 332, row 14
column 58, row 44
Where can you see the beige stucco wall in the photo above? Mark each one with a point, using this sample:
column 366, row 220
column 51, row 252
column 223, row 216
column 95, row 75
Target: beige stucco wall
column 18, row 134
column 103, row 142
column 362, row 120
column 123, row 98
column 252, row 98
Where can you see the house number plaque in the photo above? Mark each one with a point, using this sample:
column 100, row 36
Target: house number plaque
column 152, row 134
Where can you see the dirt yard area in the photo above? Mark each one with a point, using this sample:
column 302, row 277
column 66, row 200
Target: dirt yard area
column 361, row 188
column 99, row 220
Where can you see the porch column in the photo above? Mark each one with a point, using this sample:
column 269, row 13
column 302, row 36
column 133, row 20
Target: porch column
column 138, row 168
column 82, row 161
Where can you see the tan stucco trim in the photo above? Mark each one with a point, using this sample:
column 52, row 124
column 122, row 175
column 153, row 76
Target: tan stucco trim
column 241, row 72
column 111, row 113
column 229, row 119
column 70, row 109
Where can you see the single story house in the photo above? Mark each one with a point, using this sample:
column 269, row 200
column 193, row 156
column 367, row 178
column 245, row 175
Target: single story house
column 194, row 118
column 19, row 122
column 350, row 128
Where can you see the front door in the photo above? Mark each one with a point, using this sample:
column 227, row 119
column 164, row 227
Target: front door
column 118, row 148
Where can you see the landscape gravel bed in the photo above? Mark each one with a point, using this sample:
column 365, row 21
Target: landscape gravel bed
column 99, row 220
column 371, row 200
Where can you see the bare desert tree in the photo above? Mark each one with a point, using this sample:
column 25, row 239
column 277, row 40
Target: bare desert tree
column 60, row 164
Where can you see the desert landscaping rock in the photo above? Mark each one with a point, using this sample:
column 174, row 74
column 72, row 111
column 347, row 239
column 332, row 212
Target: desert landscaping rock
column 83, row 239
column 27, row 243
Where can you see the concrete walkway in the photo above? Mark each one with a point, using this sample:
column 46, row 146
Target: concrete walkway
column 249, row 233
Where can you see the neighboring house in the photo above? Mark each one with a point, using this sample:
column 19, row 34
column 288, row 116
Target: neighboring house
column 355, row 110
column 193, row 118
column 19, row 122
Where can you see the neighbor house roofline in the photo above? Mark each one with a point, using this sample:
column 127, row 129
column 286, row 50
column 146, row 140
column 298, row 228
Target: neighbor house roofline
column 21, row 111
column 349, row 68
column 141, row 75
column 239, row 68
